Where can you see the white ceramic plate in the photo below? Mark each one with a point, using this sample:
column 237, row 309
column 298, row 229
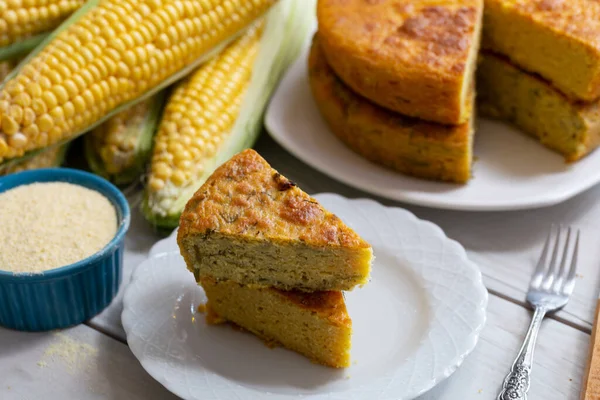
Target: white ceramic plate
column 413, row 324
column 512, row 171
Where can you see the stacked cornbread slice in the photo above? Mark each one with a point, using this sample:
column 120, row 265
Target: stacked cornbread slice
column 399, row 89
column 272, row 260
column 540, row 69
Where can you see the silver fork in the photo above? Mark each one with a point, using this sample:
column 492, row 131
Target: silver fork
column 549, row 290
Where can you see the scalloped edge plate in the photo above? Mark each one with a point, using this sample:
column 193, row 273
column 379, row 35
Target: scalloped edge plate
column 414, row 323
column 512, row 171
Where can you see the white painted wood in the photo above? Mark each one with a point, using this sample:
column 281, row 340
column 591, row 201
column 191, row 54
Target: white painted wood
column 102, row 368
column 138, row 242
column 506, row 245
column 559, row 360
column 78, row 363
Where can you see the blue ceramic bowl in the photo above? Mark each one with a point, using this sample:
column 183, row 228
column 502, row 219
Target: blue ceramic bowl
column 68, row 295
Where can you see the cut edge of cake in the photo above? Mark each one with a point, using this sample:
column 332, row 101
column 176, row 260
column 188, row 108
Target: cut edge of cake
column 537, row 108
column 316, row 325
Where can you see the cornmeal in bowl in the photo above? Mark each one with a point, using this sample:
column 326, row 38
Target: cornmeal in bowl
column 48, row 225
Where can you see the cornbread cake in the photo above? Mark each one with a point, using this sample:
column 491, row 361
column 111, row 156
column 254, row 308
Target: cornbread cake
column 537, row 108
column 413, row 57
column 316, row 324
column 558, row 39
column 250, row 224
column 408, row 145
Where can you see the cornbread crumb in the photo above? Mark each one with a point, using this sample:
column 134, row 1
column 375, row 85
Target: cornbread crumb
column 42, row 364
column 49, row 225
column 73, row 353
column 201, row 308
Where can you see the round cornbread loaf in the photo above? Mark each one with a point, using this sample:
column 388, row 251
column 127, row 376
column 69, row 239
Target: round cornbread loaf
column 408, row 145
column 411, row 57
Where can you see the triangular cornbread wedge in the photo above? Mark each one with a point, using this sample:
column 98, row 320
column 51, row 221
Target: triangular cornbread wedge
column 414, row 57
column 316, row 325
column 251, row 225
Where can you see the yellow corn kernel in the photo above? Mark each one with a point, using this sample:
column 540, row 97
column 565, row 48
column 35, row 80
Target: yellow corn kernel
column 128, row 67
column 51, row 157
column 184, row 143
column 20, row 20
column 114, row 141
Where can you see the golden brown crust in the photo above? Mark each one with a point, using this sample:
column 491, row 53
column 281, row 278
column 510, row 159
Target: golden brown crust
column 408, row 145
column 247, row 198
column 577, row 19
column 409, row 56
column 328, row 305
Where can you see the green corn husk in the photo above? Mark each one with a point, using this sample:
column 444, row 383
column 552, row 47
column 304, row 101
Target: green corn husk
column 123, row 160
column 50, row 157
column 21, row 48
column 74, row 18
column 286, row 31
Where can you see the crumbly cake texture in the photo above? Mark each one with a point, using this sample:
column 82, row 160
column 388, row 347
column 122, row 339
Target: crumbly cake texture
column 558, row 39
column 408, row 145
column 536, row 107
column 251, row 225
column 414, row 57
column 316, row 324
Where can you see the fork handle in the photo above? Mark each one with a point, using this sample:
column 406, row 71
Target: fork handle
column 516, row 383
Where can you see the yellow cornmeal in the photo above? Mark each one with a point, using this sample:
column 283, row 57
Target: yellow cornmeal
column 50, row 225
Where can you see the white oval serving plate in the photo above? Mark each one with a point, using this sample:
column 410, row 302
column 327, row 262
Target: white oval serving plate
column 511, row 171
column 414, row 323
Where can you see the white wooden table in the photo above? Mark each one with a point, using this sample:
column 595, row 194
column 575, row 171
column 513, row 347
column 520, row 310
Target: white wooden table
column 92, row 361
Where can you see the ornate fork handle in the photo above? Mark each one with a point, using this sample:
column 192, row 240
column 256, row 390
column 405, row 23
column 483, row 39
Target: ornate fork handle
column 516, row 383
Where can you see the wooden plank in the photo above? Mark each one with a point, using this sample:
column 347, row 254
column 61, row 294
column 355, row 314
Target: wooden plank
column 78, row 363
column 506, row 245
column 591, row 379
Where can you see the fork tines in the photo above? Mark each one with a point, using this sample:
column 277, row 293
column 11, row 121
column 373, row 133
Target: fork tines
column 555, row 276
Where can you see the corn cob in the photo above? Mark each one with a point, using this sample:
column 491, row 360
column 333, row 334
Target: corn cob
column 107, row 56
column 217, row 111
column 119, row 148
column 24, row 23
column 51, row 157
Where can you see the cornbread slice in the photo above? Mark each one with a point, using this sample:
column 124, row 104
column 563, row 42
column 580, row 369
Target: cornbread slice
column 316, row 325
column 250, row 224
column 413, row 57
column 557, row 39
column 408, row 145
column 532, row 104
